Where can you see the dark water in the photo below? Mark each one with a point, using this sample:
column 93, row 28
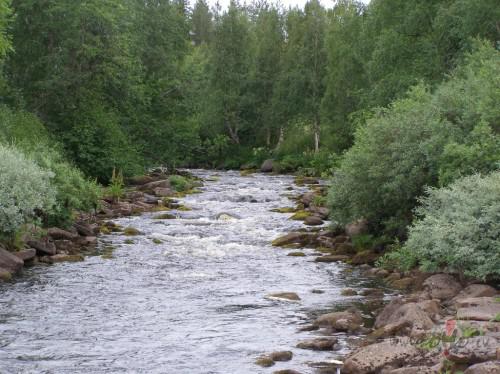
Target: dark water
column 191, row 304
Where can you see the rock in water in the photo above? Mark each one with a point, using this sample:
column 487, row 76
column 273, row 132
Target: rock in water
column 267, row 166
column 9, row 261
column 283, row 296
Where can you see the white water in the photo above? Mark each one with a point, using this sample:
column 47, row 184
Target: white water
column 192, row 304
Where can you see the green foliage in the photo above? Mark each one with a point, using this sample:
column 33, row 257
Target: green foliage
column 25, row 190
column 179, row 183
column 426, row 139
column 457, row 229
column 116, row 185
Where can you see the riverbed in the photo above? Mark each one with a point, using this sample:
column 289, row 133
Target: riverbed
column 188, row 296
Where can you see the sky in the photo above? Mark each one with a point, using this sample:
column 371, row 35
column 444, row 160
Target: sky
column 285, row 3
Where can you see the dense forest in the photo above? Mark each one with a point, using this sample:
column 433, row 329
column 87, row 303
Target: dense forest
column 397, row 101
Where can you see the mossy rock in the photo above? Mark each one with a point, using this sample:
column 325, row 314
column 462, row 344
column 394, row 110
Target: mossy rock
column 296, row 254
column 164, row 216
column 183, row 208
column 365, row 257
column 129, row 241
column 131, row 231
column 300, row 215
column 284, row 210
column 348, row 292
column 5, row 275
column 157, row 241
column 104, row 230
column 213, row 178
column 247, row 172
column 264, row 361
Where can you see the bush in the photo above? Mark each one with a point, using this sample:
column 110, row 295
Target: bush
column 179, row 183
column 391, row 161
column 457, row 230
column 426, row 139
column 25, row 190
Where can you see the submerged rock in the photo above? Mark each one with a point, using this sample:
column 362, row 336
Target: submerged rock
column 318, row 344
column 331, row 258
column 341, row 321
column 287, row 296
column 281, row 356
column 264, row 361
column 302, row 238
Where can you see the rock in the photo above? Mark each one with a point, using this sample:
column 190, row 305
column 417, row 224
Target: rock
column 313, row 221
column 348, row 292
column 140, row 180
column 476, row 290
column 65, row 258
column 131, row 231
column 404, row 283
column 87, row 241
column 341, row 321
column 226, row 217
column 63, row 245
column 163, row 192
column 288, row 296
column 365, row 257
column 10, row 262
column 442, row 286
column 357, row 228
column 164, row 216
column 490, row 367
column 5, row 275
column 301, row 215
column 320, row 211
column 373, row 292
column 286, row 371
column 331, row 258
column 478, row 309
column 84, row 229
column 26, row 254
column 373, row 358
column 384, row 317
column 296, row 254
column 408, row 318
column 318, row 344
column 150, row 199
column 264, row 361
column 415, row 370
column 267, row 166
column 150, row 187
column 307, row 199
column 60, row 234
column 317, row 291
column 344, row 249
column 474, row 350
column 281, row 356
column 43, row 247
column 302, row 238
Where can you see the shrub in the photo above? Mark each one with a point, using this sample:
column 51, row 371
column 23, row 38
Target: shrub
column 391, row 161
column 116, row 185
column 179, row 183
column 457, row 230
column 25, row 190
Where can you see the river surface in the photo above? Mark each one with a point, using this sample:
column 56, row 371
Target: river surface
column 194, row 303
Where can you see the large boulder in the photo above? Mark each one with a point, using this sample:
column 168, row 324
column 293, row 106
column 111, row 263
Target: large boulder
column 474, row 350
column 475, row 290
column 357, row 228
column 313, row 221
column 442, row 286
column 302, row 238
column 307, row 198
column 10, row 262
column 60, row 234
column 84, row 229
column 267, row 166
column 26, row 254
column 318, row 344
column 165, row 183
column 43, row 247
column 163, row 192
column 478, row 309
column 373, row 358
column 349, row 320
column 490, row 367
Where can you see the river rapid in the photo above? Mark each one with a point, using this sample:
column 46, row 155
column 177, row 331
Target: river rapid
column 188, row 296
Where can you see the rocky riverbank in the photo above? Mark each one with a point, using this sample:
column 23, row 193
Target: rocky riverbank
column 149, row 193
column 438, row 324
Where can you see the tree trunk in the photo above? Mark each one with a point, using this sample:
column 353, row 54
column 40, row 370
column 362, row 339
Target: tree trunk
column 316, row 136
column 268, row 137
column 281, row 138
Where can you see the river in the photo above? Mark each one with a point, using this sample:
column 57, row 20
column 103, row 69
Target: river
column 188, row 296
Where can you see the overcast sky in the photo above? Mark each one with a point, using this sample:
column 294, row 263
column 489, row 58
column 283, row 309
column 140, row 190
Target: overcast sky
column 286, row 3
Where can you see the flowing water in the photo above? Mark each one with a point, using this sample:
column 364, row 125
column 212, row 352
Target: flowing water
column 192, row 303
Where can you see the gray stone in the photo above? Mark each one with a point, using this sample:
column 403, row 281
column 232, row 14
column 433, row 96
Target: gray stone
column 9, row 261
column 442, row 286
column 267, row 166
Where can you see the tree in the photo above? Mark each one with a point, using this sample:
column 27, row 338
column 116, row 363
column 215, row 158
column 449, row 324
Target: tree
column 230, row 70
column 201, row 23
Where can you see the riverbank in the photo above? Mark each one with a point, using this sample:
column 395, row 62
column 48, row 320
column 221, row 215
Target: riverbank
column 438, row 323
column 149, row 193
